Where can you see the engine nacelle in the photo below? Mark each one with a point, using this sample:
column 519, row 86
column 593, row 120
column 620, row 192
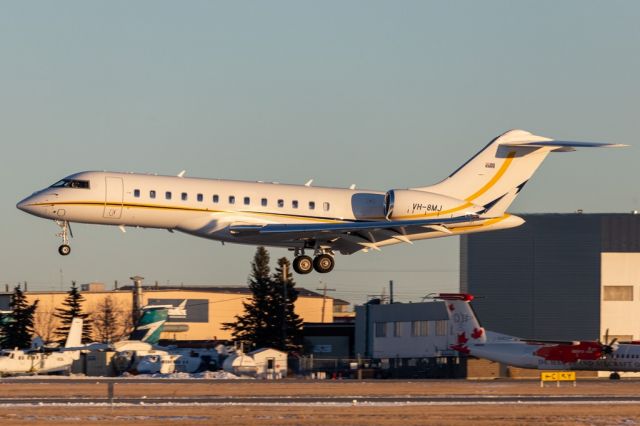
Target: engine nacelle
column 409, row 204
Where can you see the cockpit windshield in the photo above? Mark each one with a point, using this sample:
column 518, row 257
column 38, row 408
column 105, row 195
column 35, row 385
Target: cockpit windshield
column 71, row 183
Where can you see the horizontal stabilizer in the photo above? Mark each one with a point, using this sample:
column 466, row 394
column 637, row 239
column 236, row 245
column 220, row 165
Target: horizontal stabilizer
column 564, row 146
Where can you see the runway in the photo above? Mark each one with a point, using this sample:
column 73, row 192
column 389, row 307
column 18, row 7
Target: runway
column 320, row 400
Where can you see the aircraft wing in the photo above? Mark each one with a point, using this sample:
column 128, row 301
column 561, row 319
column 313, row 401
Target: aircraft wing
column 343, row 227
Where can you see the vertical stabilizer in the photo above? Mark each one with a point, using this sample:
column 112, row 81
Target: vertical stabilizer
column 495, row 175
column 463, row 320
column 149, row 325
column 74, row 338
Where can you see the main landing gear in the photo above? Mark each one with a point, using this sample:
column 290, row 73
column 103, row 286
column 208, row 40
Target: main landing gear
column 322, row 263
column 65, row 230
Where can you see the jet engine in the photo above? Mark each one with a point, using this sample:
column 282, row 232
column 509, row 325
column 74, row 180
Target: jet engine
column 410, row 204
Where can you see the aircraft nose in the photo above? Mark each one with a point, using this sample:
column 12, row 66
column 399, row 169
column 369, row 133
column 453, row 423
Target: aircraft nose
column 22, row 205
column 26, row 205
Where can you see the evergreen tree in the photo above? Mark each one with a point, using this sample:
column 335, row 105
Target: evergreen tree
column 17, row 330
column 290, row 336
column 255, row 327
column 72, row 309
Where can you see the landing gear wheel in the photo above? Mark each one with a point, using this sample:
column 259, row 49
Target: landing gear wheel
column 614, row 376
column 64, row 249
column 323, row 263
column 302, row 264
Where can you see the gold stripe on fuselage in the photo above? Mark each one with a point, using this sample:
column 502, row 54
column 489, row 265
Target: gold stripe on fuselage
column 190, row 209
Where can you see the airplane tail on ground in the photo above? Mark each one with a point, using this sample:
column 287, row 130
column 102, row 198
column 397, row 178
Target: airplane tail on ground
column 495, row 175
column 149, row 325
column 463, row 320
column 74, row 338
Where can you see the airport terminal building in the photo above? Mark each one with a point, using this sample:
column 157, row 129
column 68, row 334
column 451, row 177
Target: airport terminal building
column 557, row 277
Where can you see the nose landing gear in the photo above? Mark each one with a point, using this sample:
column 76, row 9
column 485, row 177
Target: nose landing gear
column 65, row 230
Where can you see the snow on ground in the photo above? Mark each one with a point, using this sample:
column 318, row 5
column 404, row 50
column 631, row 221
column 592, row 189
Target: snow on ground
column 207, row 375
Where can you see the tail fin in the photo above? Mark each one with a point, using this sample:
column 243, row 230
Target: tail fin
column 149, row 325
column 74, row 338
column 464, row 321
column 496, row 174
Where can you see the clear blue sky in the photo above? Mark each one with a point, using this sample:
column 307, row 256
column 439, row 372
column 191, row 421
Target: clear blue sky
column 384, row 94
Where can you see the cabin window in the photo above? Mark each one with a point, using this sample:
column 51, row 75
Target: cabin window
column 216, row 198
column 167, row 195
column 247, row 201
column 280, row 203
column 184, row 196
column 294, row 204
column 152, row 194
column 232, row 199
column 200, row 197
column 381, row 329
column 263, row 202
column 312, row 205
column 325, row 206
column 136, row 193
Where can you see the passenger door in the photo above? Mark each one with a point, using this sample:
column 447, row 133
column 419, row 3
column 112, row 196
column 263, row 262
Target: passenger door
column 114, row 195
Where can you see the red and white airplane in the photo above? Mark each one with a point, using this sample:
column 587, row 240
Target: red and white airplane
column 474, row 340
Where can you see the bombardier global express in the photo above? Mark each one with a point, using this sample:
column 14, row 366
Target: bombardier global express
column 304, row 218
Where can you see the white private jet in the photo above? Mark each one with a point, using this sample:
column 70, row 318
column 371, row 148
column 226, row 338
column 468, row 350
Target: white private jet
column 302, row 217
column 589, row 355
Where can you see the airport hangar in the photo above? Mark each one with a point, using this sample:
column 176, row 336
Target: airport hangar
column 206, row 307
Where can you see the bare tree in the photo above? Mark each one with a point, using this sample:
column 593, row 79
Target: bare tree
column 108, row 321
column 45, row 325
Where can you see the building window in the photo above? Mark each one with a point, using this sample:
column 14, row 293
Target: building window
column 247, row 201
column 419, row 328
column 280, row 203
column 381, row 329
column 167, row 195
column 312, row 205
column 325, row 206
column 441, row 327
column 200, row 197
column 618, row 293
column 232, row 199
column 397, row 329
column 294, row 204
column 184, row 196
column 136, row 193
column 216, row 198
column 152, row 194
column 263, row 202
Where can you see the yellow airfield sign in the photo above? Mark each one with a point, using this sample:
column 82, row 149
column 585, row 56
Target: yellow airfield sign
column 558, row 376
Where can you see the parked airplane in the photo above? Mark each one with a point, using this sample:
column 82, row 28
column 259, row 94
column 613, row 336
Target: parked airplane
column 474, row 198
column 43, row 360
column 141, row 353
column 473, row 340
